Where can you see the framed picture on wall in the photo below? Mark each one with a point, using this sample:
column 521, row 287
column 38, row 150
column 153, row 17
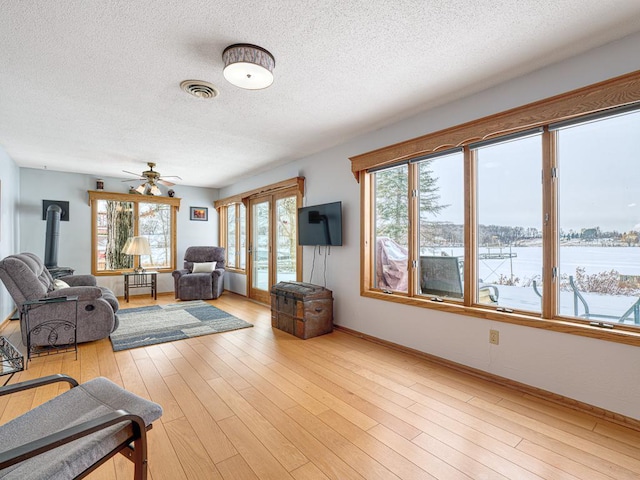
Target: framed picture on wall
column 199, row 213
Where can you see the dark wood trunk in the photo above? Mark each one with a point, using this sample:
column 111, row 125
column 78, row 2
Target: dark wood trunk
column 302, row 309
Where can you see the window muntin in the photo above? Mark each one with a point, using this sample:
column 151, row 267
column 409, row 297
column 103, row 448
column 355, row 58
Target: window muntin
column 441, row 221
column 509, row 223
column 599, row 220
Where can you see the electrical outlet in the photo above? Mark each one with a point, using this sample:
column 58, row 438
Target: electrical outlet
column 494, row 337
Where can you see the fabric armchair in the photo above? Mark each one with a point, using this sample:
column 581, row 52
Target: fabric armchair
column 77, row 431
column 27, row 279
column 199, row 279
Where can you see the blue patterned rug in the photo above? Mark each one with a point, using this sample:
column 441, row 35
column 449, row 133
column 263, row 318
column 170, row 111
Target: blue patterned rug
column 144, row 326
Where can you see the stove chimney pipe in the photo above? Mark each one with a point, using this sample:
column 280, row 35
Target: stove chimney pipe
column 54, row 212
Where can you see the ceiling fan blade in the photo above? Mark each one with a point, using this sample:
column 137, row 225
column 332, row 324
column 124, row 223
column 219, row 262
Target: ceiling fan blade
column 132, row 173
column 165, row 183
column 172, row 176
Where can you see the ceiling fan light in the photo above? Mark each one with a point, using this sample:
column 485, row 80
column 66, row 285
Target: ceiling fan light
column 248, row 66
column 155, row 190
column 141, row 188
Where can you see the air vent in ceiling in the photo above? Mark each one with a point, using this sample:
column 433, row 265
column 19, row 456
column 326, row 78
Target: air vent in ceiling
column 199, row 88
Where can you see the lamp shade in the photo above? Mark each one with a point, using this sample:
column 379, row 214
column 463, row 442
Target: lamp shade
column 137, row 246
column 248, row 66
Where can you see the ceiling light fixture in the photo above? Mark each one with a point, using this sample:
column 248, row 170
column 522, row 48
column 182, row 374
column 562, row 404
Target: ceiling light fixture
column 248, row 66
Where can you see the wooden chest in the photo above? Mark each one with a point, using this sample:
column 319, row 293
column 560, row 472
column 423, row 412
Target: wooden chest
column 302, row 309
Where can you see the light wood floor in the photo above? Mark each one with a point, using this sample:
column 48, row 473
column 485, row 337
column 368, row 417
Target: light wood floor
column 261, row 404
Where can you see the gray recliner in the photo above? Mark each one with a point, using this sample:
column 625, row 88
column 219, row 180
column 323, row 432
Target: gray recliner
column 200, row 286
column 27, row 279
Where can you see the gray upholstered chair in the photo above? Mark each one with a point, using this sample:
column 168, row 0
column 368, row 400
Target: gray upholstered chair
column 27, row 279
column 74, row 433
column 205, row 285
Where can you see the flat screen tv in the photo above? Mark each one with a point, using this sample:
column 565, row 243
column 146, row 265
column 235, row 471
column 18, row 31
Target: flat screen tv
column 320, row 224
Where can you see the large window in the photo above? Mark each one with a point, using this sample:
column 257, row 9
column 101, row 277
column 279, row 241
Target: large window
column 531, row 216
column 234, row 236
column 391, row 229
column 441, row 226
column 118, row 217
column 259, row 231
column 509, row 222
column 599, row 219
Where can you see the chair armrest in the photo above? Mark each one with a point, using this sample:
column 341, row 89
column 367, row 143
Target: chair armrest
column 79, row 280
column 83, row 293
column 37, row 447
column 38, row 382
column 179, row 273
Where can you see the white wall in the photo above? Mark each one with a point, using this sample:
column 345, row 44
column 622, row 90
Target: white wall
column 75, row 235
column 9, row 233
column 600, row 373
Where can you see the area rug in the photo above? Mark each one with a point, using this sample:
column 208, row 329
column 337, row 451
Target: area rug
column 144, row 326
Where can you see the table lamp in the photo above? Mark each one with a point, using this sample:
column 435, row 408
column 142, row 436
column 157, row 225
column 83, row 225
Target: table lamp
column 137, row 246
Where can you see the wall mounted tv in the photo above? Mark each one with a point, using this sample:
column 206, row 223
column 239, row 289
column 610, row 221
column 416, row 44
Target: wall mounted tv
column 320, row 224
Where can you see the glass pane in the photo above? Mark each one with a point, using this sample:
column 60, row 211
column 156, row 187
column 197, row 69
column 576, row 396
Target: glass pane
column 232, row 261
column 286, row 218
column 260, row 277
column 114, row 227
column 441, row 207
column 509, row 226
column 242, row 226
column 391, row 229
column 155, row 224
column 599, row 219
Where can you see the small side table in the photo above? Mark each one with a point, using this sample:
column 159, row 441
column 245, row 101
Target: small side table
column 11, row 360
column 141, row 280
column 54, row 328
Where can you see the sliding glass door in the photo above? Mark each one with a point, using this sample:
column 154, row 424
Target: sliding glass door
column 260, row 249
column 273, row 243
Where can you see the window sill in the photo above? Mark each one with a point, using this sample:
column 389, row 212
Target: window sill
column 619, row 334
column 236, row 270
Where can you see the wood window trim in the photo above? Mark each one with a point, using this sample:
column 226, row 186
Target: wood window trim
column 129, row 197
column 95, row 195
column 616, row 92
column 295, row 182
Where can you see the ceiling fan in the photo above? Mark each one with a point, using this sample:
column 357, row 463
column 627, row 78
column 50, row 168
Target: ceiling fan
column 151, row 179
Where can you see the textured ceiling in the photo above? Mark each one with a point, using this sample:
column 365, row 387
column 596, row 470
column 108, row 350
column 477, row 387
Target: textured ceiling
column 93, row 86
